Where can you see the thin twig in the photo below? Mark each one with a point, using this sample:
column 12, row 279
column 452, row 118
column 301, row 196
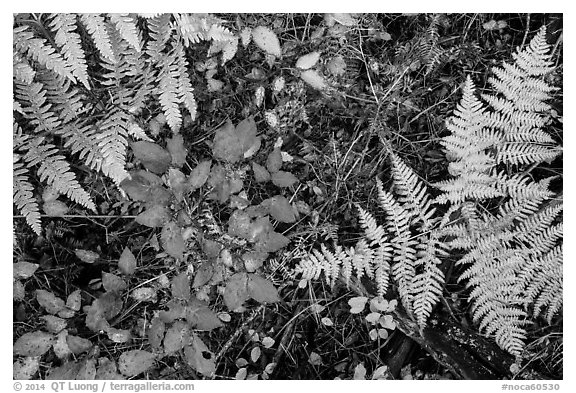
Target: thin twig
column 526, row 31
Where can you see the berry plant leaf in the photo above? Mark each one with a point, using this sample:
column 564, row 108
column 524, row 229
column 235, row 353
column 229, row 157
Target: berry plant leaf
column 35, row 343
column 134, row 362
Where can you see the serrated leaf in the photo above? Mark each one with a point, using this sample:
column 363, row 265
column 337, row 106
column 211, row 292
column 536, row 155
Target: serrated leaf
column 199, row 357
column 254, row 148
column 156, row 332
column 25, row 368
column 18, row 291
column 78, row 344
column 199, row 315
column 60, row 346
column 33, row 344
column 50, row 302
column 199, row 175
column 261, row 175
column 172, row 240
column 23, row 270
column 308, row 61
column 180, row 287
column 266, row 40
column 272, row 242
column 262, row 290
column 177, row 337
column 155, row 216
column 178, row 152
column 107, row 370
column 54, row 324
column 127, row 263
column 226, row 146
column 86, row 256
column 236, row 291
column 274, row 160
column 280, row 209
column 246, row 133
column 66, row 372
column 344, row 19
column 113, row 283
column 134, row 362
column 154, row 158
column 314, row 79
column 176, row 310
column 119, row 336
column 253, row 260
column 283, row 179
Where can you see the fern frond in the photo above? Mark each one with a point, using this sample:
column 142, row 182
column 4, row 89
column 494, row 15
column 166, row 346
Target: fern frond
column 35, row 108
column 185, row 90
column 168, row 91
column 55, row 171
column 96, row 26
column 192, row 28
column 69, row 42
column 23, row 195
column 126, row 25
column 412, row 193
column 112, row 145
column 67, row 101
column 160, row 33
column 41, row 52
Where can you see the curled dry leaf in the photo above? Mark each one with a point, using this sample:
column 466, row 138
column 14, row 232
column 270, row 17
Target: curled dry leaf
column 155, row 216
